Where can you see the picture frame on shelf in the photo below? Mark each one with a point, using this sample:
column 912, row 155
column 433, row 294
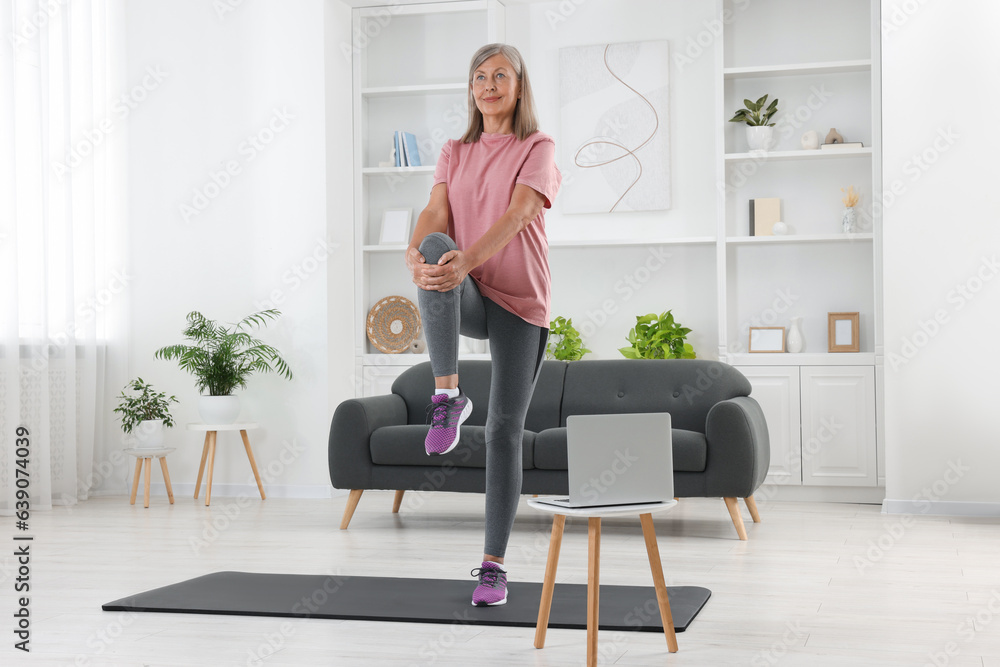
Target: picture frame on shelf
column 395, row 226
column 844, row 332
column 767, row 339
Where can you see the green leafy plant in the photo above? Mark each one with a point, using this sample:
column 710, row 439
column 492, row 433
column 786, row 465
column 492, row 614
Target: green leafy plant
column 658, row 337
column 569, row 345
column 752, row 115
column 148, row 404
column 222, row 358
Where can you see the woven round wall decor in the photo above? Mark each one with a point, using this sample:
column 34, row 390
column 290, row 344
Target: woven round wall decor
column 393, row 323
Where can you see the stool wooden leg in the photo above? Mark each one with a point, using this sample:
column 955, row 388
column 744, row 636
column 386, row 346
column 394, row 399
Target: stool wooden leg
column 398, row 500
column 549, row 583
column 734, row 514
column 135, row 480
column 201, row 468
column 752, row 506
column 213, row 435
column 147, row 464
column 593, row 587
column 653, row 551
column 166, row 478
column 253, row 464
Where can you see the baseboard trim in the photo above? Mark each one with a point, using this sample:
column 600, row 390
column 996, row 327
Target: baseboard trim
column 940, row 508
column 869, row 495
column 249, row 491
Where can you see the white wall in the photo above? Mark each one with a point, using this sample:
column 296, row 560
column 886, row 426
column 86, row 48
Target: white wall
column 260, row 239
column 941, row 238
column 601, row 288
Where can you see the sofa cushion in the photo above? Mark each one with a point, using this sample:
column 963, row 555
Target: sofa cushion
column 690, row 450
column 416, row 384
column 404, row 446
column 686, row 388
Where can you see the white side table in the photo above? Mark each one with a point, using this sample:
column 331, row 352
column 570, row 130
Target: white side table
column 143, row 461
column 594, row 515
column 208, row 451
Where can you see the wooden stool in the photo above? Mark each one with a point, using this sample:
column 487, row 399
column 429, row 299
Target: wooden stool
column 208, row 452
column 594, row 515
column 144, row 460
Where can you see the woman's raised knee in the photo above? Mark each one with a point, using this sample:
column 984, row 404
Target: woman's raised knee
column 436, row 244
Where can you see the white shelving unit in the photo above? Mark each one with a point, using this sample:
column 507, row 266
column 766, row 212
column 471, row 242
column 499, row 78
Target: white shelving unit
column 411, row 75
column 823, row 77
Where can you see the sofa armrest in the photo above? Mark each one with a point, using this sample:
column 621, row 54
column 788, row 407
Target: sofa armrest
column 739, row 451
column 353, row 423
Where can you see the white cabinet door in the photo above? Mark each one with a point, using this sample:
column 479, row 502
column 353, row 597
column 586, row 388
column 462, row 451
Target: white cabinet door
column 776, row 388
column 377, row 380
column 838, row 426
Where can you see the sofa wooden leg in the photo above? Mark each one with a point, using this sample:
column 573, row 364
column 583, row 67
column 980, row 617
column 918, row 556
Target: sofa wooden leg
column 752, row 506
column 734, row 513
column 398, row 500
column 352, row 503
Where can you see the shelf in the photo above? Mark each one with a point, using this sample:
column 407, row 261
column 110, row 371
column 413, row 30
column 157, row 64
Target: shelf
column 604, row 243
column 835, row 67
column 430, row 89
column 810, row 154
column 408, row 359
column 799, row 238
column 426, row 169
column 389, row 247
column 802, row 359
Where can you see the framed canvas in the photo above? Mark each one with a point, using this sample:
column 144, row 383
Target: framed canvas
column 767, row 339
column 395, row 226
column 844, row 332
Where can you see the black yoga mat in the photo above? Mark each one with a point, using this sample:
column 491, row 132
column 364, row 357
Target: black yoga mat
column 410, row 600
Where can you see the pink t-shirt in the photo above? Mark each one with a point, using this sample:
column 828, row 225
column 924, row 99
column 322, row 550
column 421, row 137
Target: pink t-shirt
column 481, row 177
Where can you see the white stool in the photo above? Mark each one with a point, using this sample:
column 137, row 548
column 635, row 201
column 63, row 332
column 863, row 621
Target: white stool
column 144, row 460
column 594, row 515
column 208, row 452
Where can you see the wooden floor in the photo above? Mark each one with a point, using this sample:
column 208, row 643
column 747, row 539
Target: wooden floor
column 815, row 584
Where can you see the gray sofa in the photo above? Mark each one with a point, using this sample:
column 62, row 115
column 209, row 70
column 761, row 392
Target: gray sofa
column 720, row 440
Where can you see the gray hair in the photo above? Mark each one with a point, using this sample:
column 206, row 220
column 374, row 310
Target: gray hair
column 525, row 118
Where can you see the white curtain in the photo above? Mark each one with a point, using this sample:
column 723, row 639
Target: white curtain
column 63, row 281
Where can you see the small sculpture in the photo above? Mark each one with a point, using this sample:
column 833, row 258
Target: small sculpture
column 810, row 139
column 834, row 137
column 418, row 346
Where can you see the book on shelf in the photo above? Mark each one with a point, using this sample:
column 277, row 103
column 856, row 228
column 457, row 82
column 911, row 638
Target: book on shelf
column 407, row 153
column 763, row 214
column 843, row 144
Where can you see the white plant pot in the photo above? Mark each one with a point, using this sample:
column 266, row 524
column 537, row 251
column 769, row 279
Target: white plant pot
column 219, row 409
column 760, row 137
column 149, row 434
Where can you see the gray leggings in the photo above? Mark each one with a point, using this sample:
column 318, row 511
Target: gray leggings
column 517, row 349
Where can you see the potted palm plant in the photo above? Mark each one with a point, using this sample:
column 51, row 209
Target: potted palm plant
column 144, row 415
column 760, row 132
column 222, row 358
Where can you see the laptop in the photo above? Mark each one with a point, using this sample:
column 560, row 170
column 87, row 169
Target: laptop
column 620, row 459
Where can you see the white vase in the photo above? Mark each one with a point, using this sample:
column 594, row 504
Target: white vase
column 149, row 434
column 219, row 409
column 779, row 229
column 850, row 220
column 760, row 137
column 794, row 342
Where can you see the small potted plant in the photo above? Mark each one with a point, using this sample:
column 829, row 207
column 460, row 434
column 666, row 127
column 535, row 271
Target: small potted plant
column 222, row 358
column 567, row 344
column 146, row 414
column 760, row 132
column 658, row 337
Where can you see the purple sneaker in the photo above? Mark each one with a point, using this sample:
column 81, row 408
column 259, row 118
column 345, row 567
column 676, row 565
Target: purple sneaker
column 492, row 588
column 446, row 415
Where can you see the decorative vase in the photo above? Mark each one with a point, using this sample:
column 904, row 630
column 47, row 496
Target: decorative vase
column 760, row 137
column 810, row 140
column 850, row 220
column 149, row 434
column 794, row 341
column 779, row 229
column 219, row 409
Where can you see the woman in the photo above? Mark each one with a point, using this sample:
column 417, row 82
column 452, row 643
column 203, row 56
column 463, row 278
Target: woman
column 480, row 258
